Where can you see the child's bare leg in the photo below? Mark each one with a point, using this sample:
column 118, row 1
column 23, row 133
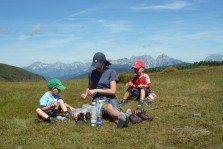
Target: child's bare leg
column 64, row 108
column 41, row 113
column 126, row 95
column 142, row 94
column 142, row 98
column 62, row 105
column 68, row 106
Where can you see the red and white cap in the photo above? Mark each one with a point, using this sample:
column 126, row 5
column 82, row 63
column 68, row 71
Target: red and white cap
column 138, row 64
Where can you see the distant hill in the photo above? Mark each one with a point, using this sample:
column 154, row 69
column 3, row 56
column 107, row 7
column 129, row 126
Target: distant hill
column 215, row 57
column 12, row 73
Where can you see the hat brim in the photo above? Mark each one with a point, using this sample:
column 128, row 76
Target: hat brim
column 96, row 64
column 61, row 87
column 136, row 67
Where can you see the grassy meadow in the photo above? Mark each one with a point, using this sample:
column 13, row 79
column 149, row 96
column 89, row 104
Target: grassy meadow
column 199, row 90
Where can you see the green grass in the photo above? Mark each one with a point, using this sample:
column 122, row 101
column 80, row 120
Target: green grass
column 173, row 127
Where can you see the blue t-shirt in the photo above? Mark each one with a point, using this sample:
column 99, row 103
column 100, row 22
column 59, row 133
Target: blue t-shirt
column 47, row 99
column 101, row 80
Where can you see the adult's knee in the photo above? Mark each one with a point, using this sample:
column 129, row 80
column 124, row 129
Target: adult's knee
column 107, row 106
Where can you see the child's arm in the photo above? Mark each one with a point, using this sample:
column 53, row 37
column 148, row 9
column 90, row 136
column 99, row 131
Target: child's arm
column 143, row 85
column 130, row 84
column 45, row 108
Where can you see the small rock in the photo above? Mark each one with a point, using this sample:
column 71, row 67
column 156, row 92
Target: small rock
column 198, row 115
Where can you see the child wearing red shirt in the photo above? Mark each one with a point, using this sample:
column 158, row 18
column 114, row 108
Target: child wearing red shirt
column 139, row 86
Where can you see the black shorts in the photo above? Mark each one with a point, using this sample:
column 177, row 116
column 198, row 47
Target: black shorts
column 52, row 112
column 136, row 91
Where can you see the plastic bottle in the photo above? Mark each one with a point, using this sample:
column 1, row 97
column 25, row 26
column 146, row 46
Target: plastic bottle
column 99, row 112
column 93, row 114
column 61, row 118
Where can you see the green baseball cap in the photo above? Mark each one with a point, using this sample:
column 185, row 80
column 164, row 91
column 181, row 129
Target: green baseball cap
column 55, row 83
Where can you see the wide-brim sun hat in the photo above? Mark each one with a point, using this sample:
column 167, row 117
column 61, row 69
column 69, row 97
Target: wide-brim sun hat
column 55, row 83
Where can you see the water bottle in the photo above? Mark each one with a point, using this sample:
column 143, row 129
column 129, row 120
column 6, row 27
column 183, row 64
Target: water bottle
column 61, row 118
column 93, row 114
column 99, row 112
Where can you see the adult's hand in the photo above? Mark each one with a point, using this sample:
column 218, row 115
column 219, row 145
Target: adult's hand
column 83, row 96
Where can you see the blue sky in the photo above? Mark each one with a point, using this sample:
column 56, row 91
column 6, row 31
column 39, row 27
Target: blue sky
column 72, row 30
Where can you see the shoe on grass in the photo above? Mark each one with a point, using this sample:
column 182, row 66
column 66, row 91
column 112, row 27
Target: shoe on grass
column 88, row 117
column 67, row 115
column 142, row 103
column 80, row 119
column 123, row 102
column 134, row 118
column 50, row 120
column 144, row 116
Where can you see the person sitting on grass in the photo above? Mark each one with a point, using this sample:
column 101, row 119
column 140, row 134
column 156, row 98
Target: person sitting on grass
column 102, row 84
column 51, row 103
column 139, row 86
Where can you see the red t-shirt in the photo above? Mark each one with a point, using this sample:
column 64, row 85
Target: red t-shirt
column 144, row 79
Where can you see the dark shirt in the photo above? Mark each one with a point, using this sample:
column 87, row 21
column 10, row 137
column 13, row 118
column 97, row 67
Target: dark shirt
column 101, row 80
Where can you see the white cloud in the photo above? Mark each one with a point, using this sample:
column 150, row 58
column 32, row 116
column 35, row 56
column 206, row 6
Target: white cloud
column 177, row 5
column 115, row 26
column 37, row 29
column 72, row 16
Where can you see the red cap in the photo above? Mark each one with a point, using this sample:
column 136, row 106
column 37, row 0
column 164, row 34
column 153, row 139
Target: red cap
column 138, row 64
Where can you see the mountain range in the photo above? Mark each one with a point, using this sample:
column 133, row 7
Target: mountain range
column 80, row 70
column 214, row 57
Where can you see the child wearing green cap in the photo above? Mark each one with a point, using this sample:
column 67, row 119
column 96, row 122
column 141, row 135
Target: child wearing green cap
column 51, row 102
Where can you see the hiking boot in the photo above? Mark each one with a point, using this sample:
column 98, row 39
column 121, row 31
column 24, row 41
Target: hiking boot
column 88, row 117
column 50, row 120
column 144, row 116
column 123, row 102
column 80, row 119
column 134, row 118
column 67, row 115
